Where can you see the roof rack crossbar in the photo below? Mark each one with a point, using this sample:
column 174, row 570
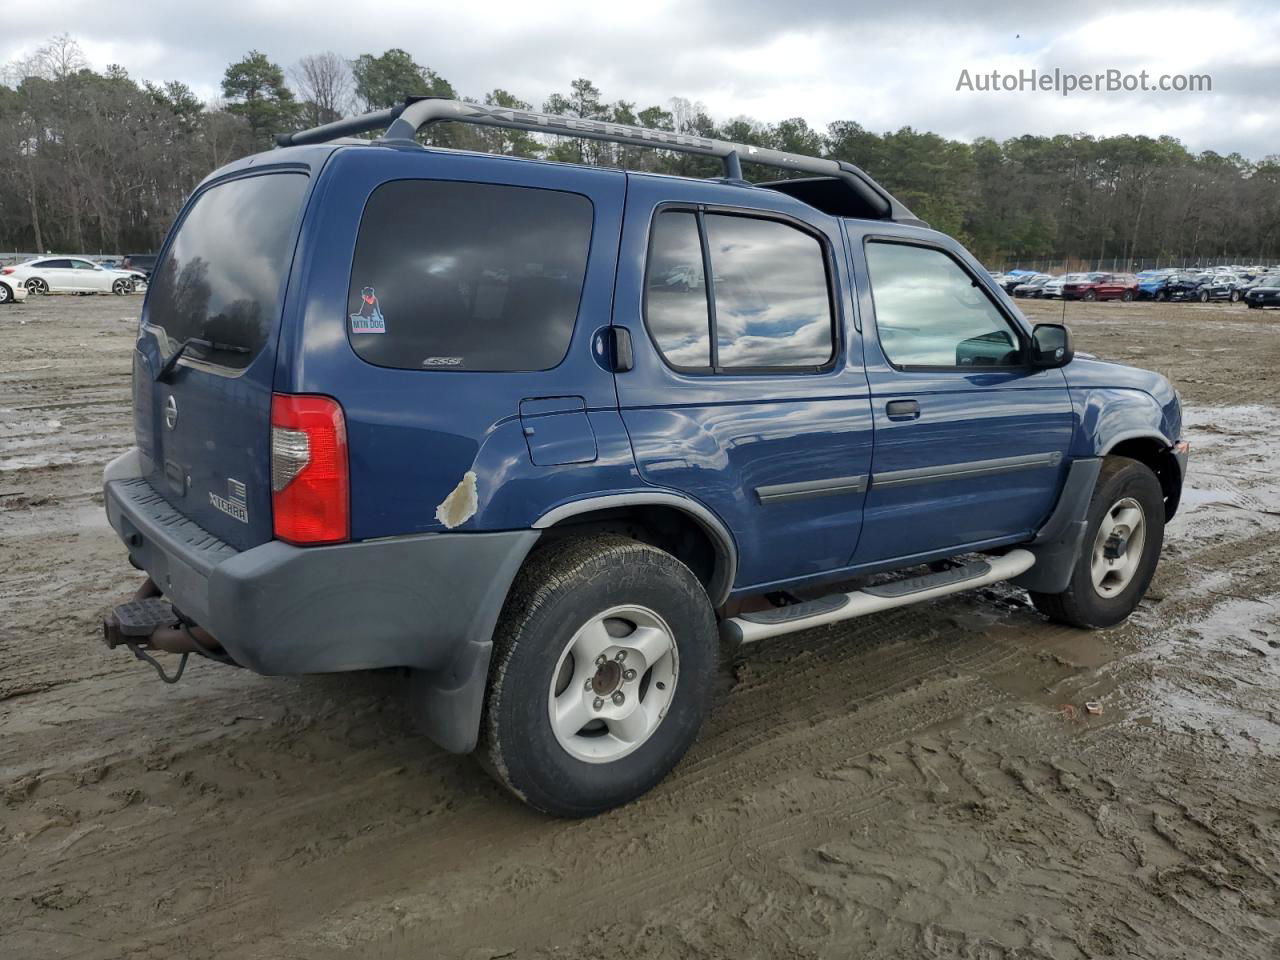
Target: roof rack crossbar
column 403, row 123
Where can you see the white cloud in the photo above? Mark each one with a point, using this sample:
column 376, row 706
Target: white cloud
column 885, row 64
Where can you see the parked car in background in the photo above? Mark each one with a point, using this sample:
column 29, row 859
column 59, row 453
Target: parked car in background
column 1033, row 287
column 1053, row 289
column 70, row 275
column 1102, row 286
column 1270, row 278
column 1266, row 293
column 1204, row 287
column 142, row 263
column 1015, row 277
column 11, row 290
column 1153, row 284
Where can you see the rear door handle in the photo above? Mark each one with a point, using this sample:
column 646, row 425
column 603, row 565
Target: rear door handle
column 903, row 409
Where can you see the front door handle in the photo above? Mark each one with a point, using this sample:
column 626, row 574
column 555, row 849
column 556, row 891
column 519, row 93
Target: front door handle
column 903, row 409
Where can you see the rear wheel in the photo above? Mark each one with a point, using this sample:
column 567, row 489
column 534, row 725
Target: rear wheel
column 1120, row 550
column 602, row 674
column 1235, row 296
column 37, row 286
column 1090, row 295
column 1127, row 296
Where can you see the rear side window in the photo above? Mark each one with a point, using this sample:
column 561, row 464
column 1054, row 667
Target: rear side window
column 222, row 278
column 770, row 306
column 676, row 293
column 771, row 299
column 468, row 276
column 931, row 313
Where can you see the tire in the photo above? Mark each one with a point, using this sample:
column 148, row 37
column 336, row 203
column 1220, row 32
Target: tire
column 1127, row 296
column 1203, row 296
column 570, row 613
column 5, row 293
column 1090, row 296
column 1122, row 486
column 1161, row 297
column 1253, row 306
column 121, row 287
column 37, row 287
column 1235, row 296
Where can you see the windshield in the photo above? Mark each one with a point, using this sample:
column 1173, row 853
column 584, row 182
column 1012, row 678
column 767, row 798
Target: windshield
column 222, row 278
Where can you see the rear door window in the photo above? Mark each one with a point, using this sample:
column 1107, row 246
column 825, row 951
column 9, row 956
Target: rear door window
column 449, row 275
column 770, row 292
column 222, row 278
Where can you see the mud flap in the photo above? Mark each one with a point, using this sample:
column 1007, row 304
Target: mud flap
column 1057, row 545
column 447, row 704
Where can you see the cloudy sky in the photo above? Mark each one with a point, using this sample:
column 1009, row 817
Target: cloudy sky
column 883, row 63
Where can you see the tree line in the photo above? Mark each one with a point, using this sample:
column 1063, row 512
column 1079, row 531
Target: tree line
column 99, row 161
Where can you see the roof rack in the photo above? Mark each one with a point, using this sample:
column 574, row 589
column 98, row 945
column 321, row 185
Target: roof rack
column 863, row 196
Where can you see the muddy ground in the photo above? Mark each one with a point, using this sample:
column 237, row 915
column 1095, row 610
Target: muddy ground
column 908, row 785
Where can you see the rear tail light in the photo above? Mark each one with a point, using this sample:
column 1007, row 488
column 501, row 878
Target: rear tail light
column 310, row 492
column 6, row 270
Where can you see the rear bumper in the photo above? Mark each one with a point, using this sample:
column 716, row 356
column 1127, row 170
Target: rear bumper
column 429, row 602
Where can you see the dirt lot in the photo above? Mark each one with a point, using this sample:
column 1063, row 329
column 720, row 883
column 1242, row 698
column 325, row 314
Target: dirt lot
column 907, row 785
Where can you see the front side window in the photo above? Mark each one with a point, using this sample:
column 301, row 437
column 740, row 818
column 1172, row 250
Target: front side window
column 450, row 275
column 770, row 304
column 931, row 313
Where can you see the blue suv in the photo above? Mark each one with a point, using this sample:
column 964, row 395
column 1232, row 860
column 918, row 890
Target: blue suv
column 546, row 435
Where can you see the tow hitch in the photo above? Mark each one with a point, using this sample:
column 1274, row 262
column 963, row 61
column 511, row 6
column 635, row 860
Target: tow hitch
column 149, row 622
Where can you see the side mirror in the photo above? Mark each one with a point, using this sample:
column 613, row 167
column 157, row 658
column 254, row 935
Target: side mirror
column 1051, row 346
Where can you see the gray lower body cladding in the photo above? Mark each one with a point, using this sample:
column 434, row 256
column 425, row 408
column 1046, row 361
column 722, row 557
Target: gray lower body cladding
column 427, row 602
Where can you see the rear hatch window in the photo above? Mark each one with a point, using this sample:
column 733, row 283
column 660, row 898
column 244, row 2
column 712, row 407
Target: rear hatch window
column 222, row 278
column 219, row 287
column 450, row 275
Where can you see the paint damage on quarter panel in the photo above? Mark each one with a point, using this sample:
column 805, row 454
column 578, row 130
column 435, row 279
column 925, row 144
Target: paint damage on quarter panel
column 460, row 505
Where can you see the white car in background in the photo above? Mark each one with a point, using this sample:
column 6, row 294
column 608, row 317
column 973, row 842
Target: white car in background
column 1053, row 289
column 70, row 275
column 10, row 290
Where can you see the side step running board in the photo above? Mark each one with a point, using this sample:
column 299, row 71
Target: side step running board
column 751, row 627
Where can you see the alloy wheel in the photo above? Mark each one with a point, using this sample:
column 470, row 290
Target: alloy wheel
column 613, row 684
column 1117, row 549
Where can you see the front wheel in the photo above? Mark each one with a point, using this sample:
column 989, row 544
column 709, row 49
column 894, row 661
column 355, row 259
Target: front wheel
column 1127, row 296
column 122, row 287
column 601, row 676
column 5, row 294
column 1235, row 296
column 1204, row 296
column 1090, row 296
column 1120, row 550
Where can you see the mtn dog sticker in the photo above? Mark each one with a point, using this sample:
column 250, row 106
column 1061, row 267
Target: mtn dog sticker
column 369, row 318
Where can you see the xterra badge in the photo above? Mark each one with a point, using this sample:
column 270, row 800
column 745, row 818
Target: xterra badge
column 233, row 504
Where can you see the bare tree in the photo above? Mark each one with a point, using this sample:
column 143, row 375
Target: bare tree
column 324, row 85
